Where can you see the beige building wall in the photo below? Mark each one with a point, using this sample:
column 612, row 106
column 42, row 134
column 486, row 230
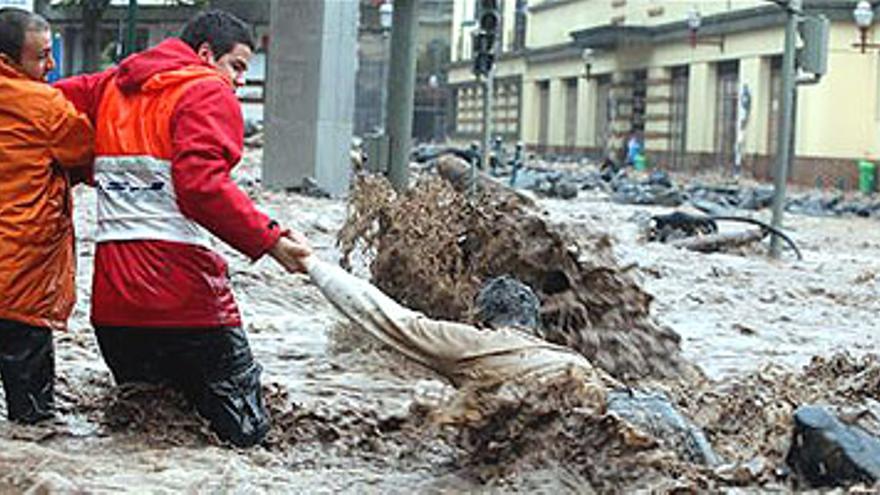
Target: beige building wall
column 838, row 119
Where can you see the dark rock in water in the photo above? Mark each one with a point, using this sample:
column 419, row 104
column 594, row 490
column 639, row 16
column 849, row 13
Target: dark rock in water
column 756, row 199
column 565, row 189
column 654, row 413
column 659, row 178
column 528, row 178
column 638, row 194
column 710, row 207
column 311, row 188
column 550, row 183
column 826, row 452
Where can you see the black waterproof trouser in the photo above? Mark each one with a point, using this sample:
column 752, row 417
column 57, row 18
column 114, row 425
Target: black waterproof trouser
column 213, row 368
column 27, row 368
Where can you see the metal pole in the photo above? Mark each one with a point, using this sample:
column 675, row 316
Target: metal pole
column 786, row 115
column 383, row 104
column 472, row 177
column 131, row 39
column 488, row 88
column 401, row 83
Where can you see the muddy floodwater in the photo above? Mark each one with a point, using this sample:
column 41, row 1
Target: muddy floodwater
column 341, row 402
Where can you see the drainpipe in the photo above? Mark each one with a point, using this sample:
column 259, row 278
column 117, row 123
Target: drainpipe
column 131, row 39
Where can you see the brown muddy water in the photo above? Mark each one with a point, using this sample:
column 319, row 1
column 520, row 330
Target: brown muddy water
column 349, row 417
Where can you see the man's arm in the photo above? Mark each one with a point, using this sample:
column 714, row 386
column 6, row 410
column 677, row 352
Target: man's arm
column 69, row 133
column 207, row 139
column 84, row 92
column 440, row 345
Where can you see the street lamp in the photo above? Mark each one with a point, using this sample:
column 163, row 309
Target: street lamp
column 386, row 13
column 588, row 56
column 694, row 22
column 434, row 84
column 863, row 14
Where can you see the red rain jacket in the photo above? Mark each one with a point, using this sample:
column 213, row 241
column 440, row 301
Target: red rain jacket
column 169, row 130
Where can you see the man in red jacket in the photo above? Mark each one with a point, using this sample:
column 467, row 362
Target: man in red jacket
column 169, row 130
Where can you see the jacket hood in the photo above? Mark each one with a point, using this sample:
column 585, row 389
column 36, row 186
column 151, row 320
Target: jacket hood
column 170, row 55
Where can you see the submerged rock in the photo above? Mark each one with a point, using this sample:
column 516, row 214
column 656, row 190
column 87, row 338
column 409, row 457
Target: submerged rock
column 826, row 452
column 653, row 413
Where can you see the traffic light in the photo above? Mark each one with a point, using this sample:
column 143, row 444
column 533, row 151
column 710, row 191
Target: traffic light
column 484, row 55
column 813, row 57
column 484, row 38
column 490, row 18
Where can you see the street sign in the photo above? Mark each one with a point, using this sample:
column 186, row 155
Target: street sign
column 22, row 4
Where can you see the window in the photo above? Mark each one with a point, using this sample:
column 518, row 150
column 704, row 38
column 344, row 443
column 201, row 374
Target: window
column 678, row 108
column 725, row 123
column 639, row 92
column 775, row 105
column 519, row 25
column 543, row 113
column 604, row 113
column 571, row 111
column 468, row 108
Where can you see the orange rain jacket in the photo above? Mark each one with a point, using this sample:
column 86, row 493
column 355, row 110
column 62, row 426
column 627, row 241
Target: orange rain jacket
column 41, row 137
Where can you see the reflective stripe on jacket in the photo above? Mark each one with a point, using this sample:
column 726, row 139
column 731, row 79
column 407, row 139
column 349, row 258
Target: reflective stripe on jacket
column 136, row 196
column 41, row 138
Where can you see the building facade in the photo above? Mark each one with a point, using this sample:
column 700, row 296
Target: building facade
column 432, row 52
column 691, row 103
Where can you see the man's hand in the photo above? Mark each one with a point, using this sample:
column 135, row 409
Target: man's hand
column 290, row 251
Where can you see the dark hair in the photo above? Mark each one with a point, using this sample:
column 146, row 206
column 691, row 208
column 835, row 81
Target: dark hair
column 505, row 301
column 219, row 29
column 14, row 24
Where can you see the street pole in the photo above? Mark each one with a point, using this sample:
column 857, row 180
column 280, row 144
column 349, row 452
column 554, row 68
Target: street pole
column 488, row 88
column 383, row 104
column 131, row 39
column 785, row 142
column 401, row 81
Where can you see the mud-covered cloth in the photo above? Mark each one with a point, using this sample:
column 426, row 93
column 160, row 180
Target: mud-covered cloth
column 27, row 367
column 213, row 368
column 462, row 353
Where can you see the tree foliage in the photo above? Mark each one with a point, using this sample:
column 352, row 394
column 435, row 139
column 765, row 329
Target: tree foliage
column 92, row 14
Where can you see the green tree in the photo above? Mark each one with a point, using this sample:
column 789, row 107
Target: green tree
column 92, row 12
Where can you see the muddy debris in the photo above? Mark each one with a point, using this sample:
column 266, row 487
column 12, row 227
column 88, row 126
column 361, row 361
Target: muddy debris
column 431, row 249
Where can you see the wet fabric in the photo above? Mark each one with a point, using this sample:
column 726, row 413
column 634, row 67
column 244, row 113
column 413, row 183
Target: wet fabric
column 27, row 367
column 214, row 369
column 42, row 139
column 462, row 353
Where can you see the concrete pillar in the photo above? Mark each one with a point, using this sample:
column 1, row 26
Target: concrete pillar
column 529, row 118
column 658, row 114
column 702, row 86
column 621, row 95
column 309, row 111
column 556, row 132
column 401, row 83
column 586, row 112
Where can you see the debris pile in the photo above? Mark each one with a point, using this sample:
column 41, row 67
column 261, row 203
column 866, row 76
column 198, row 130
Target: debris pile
column 431, row 249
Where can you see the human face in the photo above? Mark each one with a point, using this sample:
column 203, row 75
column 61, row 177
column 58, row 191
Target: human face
column 233, row 65
column 36, row 54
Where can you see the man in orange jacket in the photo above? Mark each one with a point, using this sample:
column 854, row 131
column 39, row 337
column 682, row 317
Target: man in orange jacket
column 42, row 137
